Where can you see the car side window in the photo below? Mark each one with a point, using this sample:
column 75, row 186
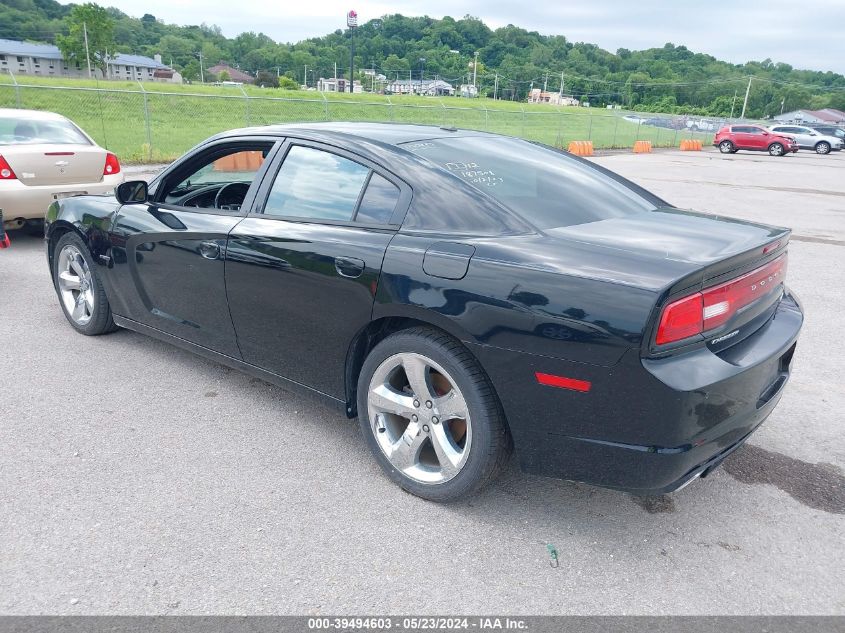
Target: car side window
column 313, row 183
column 378, row 202
column 217, row 179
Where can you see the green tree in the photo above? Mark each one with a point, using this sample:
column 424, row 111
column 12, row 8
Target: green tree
column 224, row 76
column 99, row 25
column 286, row 83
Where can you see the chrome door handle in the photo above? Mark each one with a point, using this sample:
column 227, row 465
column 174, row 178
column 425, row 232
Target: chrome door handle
column 210, row 250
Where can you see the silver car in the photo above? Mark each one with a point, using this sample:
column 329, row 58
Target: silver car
column 808, row 138
column 43, row 157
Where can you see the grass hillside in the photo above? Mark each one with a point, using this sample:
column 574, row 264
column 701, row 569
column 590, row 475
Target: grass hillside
column 158, row 122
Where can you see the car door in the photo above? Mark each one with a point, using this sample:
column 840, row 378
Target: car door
column 169, row 252
column 757, row 138
column 742, row 137
column 302, row 272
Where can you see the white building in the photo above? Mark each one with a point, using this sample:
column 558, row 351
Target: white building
column 554, row 98
column 45, row 60
column 468, row 90
column 828, row 115
column 426, row 87
column 337, row 84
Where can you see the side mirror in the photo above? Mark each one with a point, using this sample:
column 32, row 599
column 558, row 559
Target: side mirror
column 813, row 134
column 131, row 192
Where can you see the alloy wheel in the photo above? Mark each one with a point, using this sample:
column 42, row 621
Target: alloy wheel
column 823, row 148
column 725, row 147
column 419, row 418
column 76, row 285
column 776, row 149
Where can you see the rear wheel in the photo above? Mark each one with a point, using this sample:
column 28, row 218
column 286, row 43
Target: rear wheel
column 776, row 149
column 822, row 147
column 430, row 415
column 726, row 147
column 79, row 288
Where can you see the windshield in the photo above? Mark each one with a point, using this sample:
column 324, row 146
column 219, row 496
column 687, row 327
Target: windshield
column 545, row 187
column 16, row 131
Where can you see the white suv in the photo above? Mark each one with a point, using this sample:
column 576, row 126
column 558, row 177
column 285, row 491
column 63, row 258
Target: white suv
column 808, row 138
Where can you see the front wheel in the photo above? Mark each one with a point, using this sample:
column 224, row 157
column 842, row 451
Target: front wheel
column 726, row 147
column 79, row 288
column 823, row 147
column 776, row 149
column 431, row 416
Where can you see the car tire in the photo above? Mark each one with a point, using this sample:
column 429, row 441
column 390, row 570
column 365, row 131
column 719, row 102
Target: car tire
column 726, row 147
column 776, row 149
column 79, row 288
column 822, row 147
column 418, row 447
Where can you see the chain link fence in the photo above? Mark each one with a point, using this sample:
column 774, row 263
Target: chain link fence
column 144, row 126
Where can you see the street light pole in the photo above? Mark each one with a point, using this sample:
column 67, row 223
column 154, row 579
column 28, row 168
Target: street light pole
column 422, row 72
column 352, row 23
column 475, row 73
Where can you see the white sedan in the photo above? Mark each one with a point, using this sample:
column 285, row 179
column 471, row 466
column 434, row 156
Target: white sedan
column 808, row 138
column 44, row 157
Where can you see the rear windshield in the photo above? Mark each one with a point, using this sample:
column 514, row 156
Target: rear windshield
column 17, row 131
column 546, row 188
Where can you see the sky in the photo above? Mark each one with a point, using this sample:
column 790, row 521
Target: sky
column 807, row 34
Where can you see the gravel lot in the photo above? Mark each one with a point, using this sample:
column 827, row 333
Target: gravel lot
column 140, row 479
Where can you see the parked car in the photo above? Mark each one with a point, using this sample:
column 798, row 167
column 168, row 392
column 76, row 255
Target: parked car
column 829, row 130
column 732, row 138
column 462, row 293
column 808, row 138
column 44, row 156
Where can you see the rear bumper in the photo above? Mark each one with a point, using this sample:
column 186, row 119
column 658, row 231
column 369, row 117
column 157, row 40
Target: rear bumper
column 646, row 427
column 31, row 201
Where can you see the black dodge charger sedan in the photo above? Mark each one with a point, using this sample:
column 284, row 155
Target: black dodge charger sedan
column 464, row 294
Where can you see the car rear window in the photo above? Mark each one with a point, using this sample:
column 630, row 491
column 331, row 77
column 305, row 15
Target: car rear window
column 547, row 188
column 17, row 131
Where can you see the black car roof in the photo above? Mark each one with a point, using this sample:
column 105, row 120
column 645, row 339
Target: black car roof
column 386, row 133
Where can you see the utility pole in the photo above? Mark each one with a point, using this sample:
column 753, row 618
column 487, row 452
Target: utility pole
column 496, row 86
column 305, row 76
column 475, row 73
column 546, row 83
column 202, row 76
column 560, row 94
column 733, row 103
column 745, row 103
column 87, row 53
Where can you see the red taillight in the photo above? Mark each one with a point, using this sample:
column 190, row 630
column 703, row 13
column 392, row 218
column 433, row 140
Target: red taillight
column 6, row 172
column 112, row 165
column 715, row 306
column 680, row 319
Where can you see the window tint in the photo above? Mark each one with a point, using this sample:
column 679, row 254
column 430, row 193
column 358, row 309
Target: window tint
column 378, row 202
column 547, row 188
column 316, row 184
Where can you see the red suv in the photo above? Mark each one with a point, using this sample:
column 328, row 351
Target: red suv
column 733, row 138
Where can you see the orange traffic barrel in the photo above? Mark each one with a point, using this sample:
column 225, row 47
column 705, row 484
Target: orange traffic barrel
column 642, row 147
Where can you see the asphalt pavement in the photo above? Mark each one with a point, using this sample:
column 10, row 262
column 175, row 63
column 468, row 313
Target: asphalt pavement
column 137, row 478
